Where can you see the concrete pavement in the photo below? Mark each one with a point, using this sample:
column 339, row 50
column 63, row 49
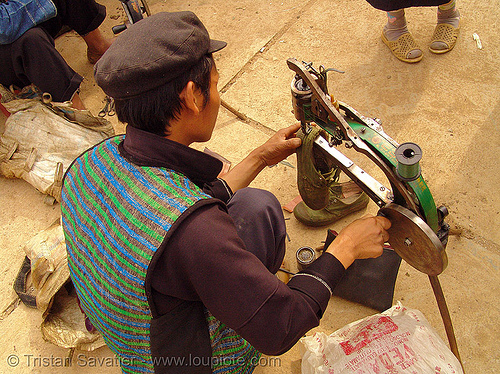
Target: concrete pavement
column 447, row 104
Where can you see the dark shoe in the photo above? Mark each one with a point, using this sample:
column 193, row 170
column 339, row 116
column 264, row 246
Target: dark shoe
column 337, row 208
column 315, row 175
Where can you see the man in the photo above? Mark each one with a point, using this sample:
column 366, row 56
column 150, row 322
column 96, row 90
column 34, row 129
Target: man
column 173, row 265
column 27, row 51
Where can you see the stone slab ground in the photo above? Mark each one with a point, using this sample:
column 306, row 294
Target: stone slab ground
column 448, row 104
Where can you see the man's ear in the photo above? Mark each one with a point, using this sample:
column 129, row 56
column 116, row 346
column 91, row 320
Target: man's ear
column 191, row 98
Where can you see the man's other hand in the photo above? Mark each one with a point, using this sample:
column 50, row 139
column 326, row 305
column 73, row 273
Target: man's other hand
column 279, row 146
column 363, row 238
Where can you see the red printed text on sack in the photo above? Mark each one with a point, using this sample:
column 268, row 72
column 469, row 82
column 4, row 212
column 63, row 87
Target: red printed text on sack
column 373, row 331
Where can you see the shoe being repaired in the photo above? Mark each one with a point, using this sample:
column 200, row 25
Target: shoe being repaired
column 325, row 200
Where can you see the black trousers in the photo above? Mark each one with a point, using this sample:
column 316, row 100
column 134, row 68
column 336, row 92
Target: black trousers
column 82, row 16
column 33, row 58
column 259, row 221
column 388, row 5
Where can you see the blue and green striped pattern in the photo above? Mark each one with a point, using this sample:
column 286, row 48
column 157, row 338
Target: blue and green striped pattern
column 115, row 216
column 231, row 353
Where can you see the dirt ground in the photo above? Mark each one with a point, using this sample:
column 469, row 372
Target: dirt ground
column 448, row 104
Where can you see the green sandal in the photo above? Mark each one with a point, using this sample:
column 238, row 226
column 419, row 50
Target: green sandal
column 402, row 46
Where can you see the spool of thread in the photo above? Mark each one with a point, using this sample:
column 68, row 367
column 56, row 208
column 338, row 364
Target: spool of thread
column 305, row 257
column 301, row 96
column 408, row 156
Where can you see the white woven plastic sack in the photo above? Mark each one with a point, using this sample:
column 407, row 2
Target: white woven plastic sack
column 399, row 340
column 41, row 140
column 63, row 322
column 49, row 263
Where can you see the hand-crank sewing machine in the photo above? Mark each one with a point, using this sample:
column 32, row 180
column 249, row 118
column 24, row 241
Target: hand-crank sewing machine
column 418, row 232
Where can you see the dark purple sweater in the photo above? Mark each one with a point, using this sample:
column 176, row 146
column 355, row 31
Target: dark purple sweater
column 205, row 261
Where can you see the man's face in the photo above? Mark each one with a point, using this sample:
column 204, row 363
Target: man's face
column 211, row 110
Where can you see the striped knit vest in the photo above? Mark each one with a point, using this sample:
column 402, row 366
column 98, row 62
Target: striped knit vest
column 115, row 216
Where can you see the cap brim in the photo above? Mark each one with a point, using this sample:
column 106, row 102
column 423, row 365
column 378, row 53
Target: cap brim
column 216, row 45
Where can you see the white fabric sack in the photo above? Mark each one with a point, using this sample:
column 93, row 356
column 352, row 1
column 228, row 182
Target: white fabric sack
column 41, row 140
column 49, row 263
column 399, row 340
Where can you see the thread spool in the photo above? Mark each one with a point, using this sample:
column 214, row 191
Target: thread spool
column 408, row 156
column 301, row 96
column 305, row 257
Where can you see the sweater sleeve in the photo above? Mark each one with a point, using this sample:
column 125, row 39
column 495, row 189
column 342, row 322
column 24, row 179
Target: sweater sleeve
column 218, row 189
column 206, row 260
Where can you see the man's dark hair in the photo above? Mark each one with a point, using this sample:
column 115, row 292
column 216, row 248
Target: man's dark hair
column 153, row 110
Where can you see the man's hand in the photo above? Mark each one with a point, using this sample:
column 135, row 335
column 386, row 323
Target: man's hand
column 363, row 238
column 279, row 146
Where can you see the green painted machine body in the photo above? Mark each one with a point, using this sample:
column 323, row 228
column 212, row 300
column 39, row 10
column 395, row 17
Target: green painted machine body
column 386, row 151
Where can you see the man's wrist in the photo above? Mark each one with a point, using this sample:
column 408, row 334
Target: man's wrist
column 257, row 156
column 342, row 253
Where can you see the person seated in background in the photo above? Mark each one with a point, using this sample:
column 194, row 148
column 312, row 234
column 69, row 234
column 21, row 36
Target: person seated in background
column 27, row 49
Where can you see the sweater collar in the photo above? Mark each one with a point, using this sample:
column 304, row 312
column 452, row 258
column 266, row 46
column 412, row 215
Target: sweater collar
column 146, row 149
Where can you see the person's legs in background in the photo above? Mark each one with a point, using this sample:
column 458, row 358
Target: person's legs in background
column 399, row 40
column 33, row 59
column 84, row 17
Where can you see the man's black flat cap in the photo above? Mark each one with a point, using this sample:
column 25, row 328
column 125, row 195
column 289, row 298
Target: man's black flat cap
column 152, row 52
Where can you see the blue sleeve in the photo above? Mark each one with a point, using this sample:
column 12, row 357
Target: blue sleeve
column 18, row 16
